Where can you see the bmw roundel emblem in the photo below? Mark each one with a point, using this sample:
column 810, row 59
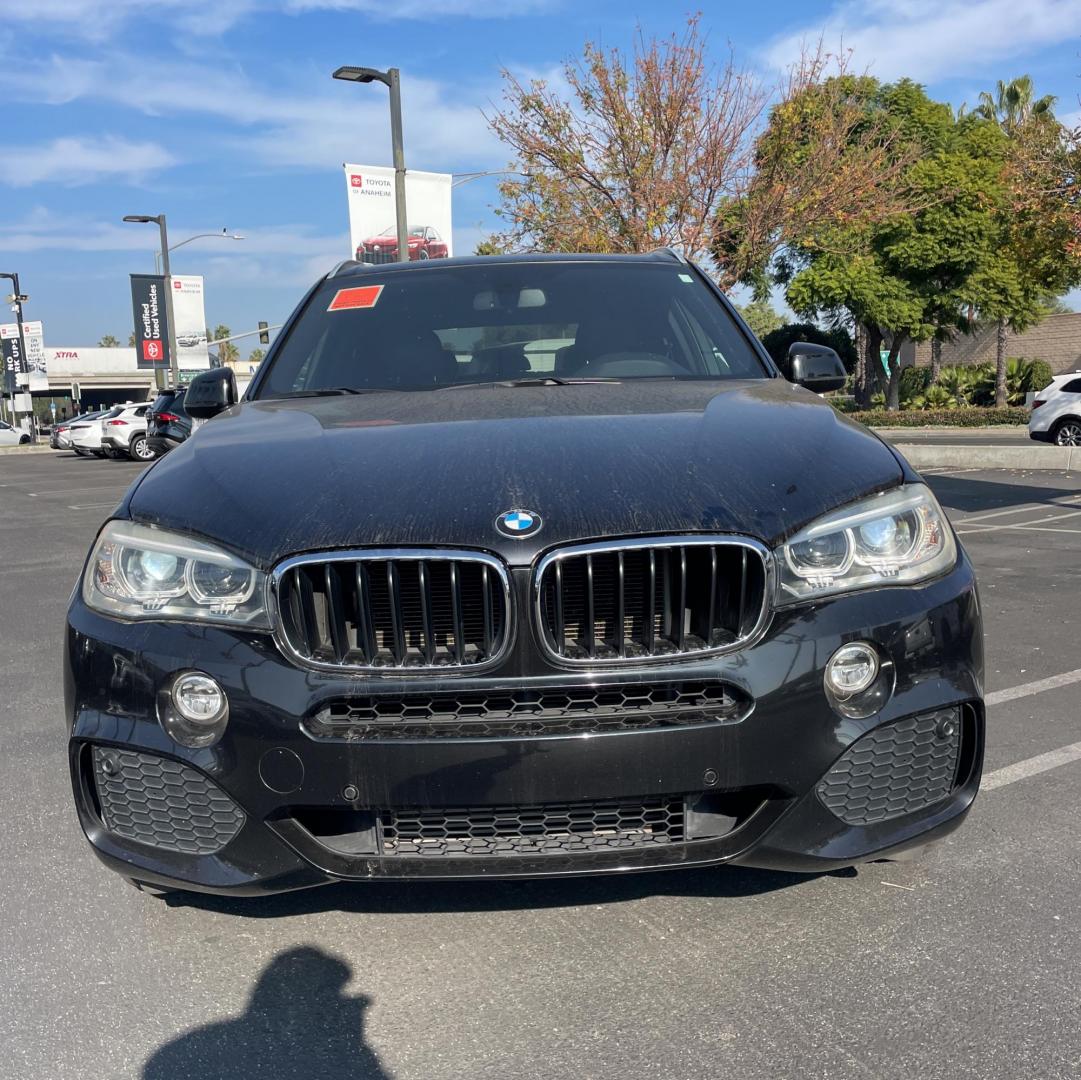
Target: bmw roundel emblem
column 518, row 523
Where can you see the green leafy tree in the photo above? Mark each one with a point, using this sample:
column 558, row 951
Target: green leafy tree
column 110, row 342
column 777, row 342
column 256, row 356
column 131, row 340
column 1036, row 254
column 761, row 318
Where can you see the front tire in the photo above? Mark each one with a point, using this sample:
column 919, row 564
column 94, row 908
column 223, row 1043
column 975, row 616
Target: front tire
column 139, row 450
column 24, row 440
column 1068, row 433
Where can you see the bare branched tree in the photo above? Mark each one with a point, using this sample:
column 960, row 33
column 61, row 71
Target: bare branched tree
column 638, row 153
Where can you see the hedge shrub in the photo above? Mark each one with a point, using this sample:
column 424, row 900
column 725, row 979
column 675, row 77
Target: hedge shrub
column 962, row 416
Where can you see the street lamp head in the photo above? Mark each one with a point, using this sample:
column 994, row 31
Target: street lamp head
column 362, row 75
column 142, row 218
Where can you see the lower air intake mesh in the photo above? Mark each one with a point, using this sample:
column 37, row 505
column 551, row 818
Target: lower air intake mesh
column 163, row 803
column 895, row 769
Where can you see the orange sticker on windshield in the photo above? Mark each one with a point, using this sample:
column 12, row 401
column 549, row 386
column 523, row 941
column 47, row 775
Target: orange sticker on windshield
column 364, row 296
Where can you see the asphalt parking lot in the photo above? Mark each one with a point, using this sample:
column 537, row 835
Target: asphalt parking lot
column 961, row 966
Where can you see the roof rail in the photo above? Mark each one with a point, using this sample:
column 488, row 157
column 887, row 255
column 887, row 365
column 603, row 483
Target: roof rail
column 345, row 264
column 671, row 252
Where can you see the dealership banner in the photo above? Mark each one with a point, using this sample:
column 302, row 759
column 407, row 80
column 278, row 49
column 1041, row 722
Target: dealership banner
column 373, row 222
column 36, row 376
column 151, row 320
column 189, row 314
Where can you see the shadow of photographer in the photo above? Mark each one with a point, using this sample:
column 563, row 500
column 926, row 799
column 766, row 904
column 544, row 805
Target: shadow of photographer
column 299, row 1023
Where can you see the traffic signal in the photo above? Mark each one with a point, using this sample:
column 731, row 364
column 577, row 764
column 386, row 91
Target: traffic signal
column 264, row 333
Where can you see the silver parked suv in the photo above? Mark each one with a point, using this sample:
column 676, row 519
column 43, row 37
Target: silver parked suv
column 124, row 435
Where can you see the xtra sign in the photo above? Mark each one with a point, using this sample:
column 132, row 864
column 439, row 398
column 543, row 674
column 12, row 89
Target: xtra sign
column 151, row 320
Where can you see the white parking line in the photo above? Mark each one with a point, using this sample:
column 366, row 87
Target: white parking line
column 1033, row 766
column 975, row 518
column 979, row 527
column 1053, row 682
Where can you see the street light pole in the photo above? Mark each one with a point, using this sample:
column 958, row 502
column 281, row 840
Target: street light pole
column 223, row 235
column 159, row 220
column 24, row 368
column 391, row 78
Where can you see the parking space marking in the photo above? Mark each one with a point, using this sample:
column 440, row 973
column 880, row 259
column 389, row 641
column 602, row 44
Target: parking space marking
column 1033, row 766
column 974, row 519
column 94, row 506
column 1053, row 682
column 978, row 527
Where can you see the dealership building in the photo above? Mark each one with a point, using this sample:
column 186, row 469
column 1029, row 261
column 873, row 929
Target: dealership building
column 104, row 377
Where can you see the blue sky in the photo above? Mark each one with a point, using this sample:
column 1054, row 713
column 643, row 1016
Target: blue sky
column 222, row 113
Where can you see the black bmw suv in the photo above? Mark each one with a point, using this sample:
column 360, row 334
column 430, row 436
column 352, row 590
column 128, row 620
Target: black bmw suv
column 520, row 566
column 167, row 422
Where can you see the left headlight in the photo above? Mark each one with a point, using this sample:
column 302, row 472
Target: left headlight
column 898, row 538
column 138, row 572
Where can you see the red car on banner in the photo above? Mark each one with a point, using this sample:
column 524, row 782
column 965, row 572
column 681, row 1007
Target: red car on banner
column 424, row 243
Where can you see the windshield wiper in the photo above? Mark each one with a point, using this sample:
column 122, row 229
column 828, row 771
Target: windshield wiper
column 329, row 391
column 539, row 380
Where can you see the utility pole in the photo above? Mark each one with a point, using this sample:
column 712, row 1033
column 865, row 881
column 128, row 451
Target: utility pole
column 391, row 78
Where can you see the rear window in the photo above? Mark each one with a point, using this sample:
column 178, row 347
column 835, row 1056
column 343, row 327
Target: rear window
column 169, row 402
column 1072, row 387
column 435, row 327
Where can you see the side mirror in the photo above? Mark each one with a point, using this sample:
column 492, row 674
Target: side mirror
column 210, row 393
column 817, row 367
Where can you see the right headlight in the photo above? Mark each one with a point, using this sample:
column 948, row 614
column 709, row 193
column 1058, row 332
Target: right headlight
column 898, row 538
column 142, row 572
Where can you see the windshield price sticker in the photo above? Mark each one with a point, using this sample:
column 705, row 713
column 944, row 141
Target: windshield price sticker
column 364, row 296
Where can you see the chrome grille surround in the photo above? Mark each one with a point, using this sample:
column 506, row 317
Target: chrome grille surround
column 446, row 659
column 751, row 623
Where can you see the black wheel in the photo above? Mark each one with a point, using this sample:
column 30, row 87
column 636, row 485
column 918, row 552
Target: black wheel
column 139, row 449
column 1068, row 433
column 24, row 440
column 424, row 254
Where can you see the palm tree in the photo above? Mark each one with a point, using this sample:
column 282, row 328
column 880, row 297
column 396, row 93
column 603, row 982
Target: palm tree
column 1012, row 107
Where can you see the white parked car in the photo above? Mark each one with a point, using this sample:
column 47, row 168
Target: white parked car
column 12, row 436
column 1056, row 412
column 124, row 435
column 85, row 435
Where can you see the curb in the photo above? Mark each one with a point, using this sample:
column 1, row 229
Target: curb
column 40, row 448
column 924, row 456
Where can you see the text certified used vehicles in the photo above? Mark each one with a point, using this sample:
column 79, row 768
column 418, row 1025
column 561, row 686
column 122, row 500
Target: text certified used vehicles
column 520, row 566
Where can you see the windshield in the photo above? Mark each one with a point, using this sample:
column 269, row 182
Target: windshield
column 414, row 230
column 433, row 328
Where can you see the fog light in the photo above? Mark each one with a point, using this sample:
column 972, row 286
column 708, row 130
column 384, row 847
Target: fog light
column 852, row 669
column 195, row 710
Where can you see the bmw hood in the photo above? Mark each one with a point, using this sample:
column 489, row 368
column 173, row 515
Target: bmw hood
column 270, row 479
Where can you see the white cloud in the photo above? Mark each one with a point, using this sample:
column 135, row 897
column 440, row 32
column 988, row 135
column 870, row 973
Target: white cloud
column 99, row 20
column 933, row 39
column 427, row 9
column 72, row 162
column 289, row 118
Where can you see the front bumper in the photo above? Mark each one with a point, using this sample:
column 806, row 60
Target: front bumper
column 763, row 771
